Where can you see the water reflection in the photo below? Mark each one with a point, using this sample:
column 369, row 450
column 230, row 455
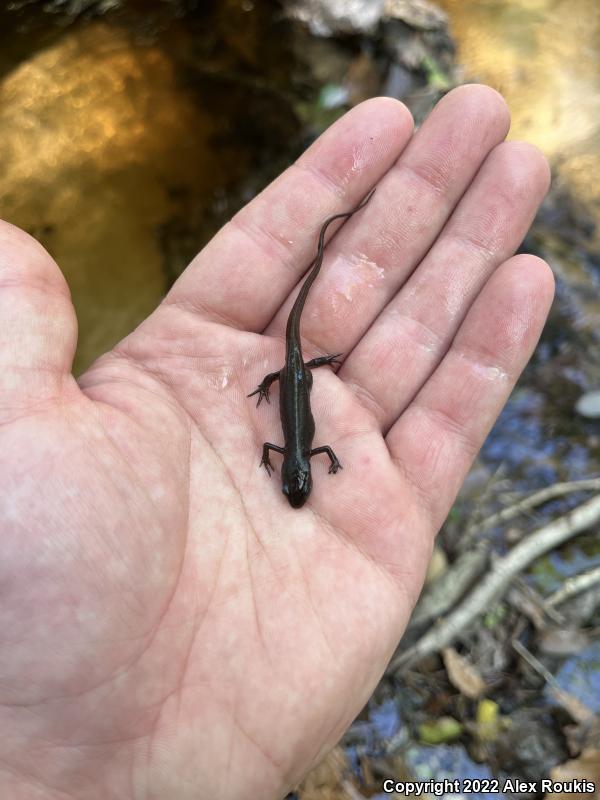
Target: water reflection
column 94, row 133
column 119, row 151
column 543, row 56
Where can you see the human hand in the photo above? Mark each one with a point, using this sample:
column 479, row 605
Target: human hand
column 169, row 626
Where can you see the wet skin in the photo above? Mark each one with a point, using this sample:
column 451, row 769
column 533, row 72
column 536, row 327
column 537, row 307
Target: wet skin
column 295, row 383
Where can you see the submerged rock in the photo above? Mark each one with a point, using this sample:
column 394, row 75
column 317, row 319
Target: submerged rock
column 418, row 14
column 334, row 17
column 588, row 404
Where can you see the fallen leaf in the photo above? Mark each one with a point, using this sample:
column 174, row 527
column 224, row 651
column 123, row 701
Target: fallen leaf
column 440, row 731
column 584, row 768
column 327, row 780
column 489, row 722
column 462, row 674
column 573, row 705
column 438, row 564
column 555, row 641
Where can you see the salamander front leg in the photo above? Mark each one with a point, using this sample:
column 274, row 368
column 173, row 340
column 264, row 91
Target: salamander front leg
column 335, row 464
column 263, row 387
column 265, row 461
column 322, row 361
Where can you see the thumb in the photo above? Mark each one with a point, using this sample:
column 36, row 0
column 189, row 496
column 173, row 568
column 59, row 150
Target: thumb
column 38, row 327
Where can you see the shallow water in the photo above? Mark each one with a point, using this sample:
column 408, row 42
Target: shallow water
column 122, row 148
column 543, row 56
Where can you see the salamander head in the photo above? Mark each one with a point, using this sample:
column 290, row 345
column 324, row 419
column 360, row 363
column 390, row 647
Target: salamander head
column 296, row 481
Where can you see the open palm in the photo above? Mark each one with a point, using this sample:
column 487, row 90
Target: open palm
column 169, row 626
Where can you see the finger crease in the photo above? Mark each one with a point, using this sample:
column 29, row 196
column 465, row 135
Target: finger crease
column 322, row 177
column 368, row 401
column 479, row 244
column 198, row 308
column 480, row 361
column 435, row 181
column 263, row 238
column 448, row 423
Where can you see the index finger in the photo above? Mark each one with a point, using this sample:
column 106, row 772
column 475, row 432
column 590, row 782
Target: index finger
column 248, row 269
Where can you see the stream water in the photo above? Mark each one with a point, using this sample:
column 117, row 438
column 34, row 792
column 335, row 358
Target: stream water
column 126, row 140
column 543, row 56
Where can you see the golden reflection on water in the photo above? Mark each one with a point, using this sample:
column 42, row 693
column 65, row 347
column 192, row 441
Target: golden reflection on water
column 96, row 139
column 543, row 55
column 107, row 147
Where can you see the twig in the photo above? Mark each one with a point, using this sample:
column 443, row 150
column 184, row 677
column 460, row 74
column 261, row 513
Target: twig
column 530, row 603
column 572, row 586
column 532, row 501
column 572, row 704
column 533, row 662
column 451, row 586
column 496, row 581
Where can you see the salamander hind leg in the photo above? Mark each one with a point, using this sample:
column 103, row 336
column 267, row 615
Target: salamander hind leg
column 335, row 464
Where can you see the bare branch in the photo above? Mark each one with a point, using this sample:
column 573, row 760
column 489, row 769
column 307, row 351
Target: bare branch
column 532, row 501
column 572, row 704
column 451, row 586
column 572, row 586
column 497, row 580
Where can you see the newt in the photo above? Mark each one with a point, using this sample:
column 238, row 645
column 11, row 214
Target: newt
column 295, row 383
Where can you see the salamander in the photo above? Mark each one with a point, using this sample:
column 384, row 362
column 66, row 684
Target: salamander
column 295, row 383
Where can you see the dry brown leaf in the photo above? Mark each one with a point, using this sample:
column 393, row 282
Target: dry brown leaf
column 438, row 565
column 462, row 674
column 578, row 711
column 326, row 780
column 584, row 768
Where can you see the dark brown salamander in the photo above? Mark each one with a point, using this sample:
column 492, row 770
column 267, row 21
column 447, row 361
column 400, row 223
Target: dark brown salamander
column 295, row 383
